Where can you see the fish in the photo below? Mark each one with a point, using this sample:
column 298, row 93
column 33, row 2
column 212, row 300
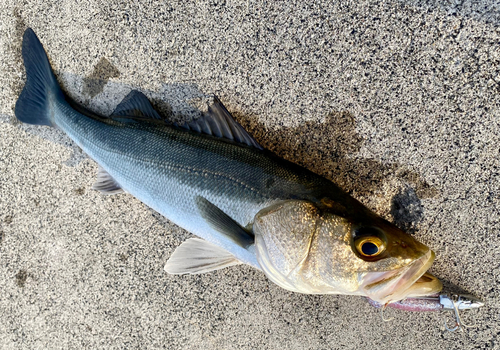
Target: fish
column 245, row 204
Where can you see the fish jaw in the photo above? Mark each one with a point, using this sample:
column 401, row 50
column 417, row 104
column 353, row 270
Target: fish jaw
column 409, row 281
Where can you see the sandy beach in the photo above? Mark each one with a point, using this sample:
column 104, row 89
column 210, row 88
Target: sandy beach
column 395, row 101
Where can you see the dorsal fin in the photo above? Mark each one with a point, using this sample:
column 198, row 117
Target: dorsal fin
column 220, row 123
column 216, row 122
column 136, row 106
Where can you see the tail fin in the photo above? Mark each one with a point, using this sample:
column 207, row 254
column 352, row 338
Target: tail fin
column 41, row 88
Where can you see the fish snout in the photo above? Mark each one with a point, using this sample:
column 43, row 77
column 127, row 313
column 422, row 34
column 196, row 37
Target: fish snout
column 411, row 280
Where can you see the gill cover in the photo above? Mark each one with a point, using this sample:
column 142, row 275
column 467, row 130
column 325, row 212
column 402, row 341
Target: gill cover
column 303, row 249
column 283, row 235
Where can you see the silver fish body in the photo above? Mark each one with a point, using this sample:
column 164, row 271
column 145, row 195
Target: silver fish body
column 249, row 206
column 167, row 168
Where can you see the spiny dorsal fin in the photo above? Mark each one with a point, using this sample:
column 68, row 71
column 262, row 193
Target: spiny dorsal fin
column 105, row 183
column 223, row 223
column 220, row 123
column 135, row 106
column 196, row 256
column 216, row 122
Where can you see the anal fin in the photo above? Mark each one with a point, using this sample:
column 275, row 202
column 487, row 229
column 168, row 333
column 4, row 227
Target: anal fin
column 105, row 183
column 196, row 256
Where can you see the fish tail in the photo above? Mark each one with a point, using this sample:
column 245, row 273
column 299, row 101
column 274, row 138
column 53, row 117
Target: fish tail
column 35, row 104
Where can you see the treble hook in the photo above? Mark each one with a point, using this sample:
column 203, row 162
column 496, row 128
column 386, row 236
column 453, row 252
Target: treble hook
column 456, row 303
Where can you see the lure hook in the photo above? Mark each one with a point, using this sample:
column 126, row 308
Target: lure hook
column 457, row 303
column 382, row 314
column 453, row 302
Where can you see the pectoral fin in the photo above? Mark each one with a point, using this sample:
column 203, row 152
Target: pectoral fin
column 223, row 223
column 196, row 256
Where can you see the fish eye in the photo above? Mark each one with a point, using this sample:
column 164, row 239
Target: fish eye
column 369, row 242
column 369, row 246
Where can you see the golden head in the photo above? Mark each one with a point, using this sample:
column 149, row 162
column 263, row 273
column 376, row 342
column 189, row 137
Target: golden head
column 314, row 249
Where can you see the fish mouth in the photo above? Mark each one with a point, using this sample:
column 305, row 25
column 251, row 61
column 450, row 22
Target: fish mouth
column 409, row 281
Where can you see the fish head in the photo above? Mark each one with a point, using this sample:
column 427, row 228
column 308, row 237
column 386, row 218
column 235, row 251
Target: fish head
column 314, row 249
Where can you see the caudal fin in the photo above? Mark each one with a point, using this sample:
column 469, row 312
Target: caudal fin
column 41, row 89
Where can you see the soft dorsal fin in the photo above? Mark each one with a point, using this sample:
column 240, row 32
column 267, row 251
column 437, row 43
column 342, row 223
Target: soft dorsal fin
column 196, row 256
column 135, row 106
column 220, row 123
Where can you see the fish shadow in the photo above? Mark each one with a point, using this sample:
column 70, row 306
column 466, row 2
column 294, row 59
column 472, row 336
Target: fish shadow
column 453, row 288
column 327, row 147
